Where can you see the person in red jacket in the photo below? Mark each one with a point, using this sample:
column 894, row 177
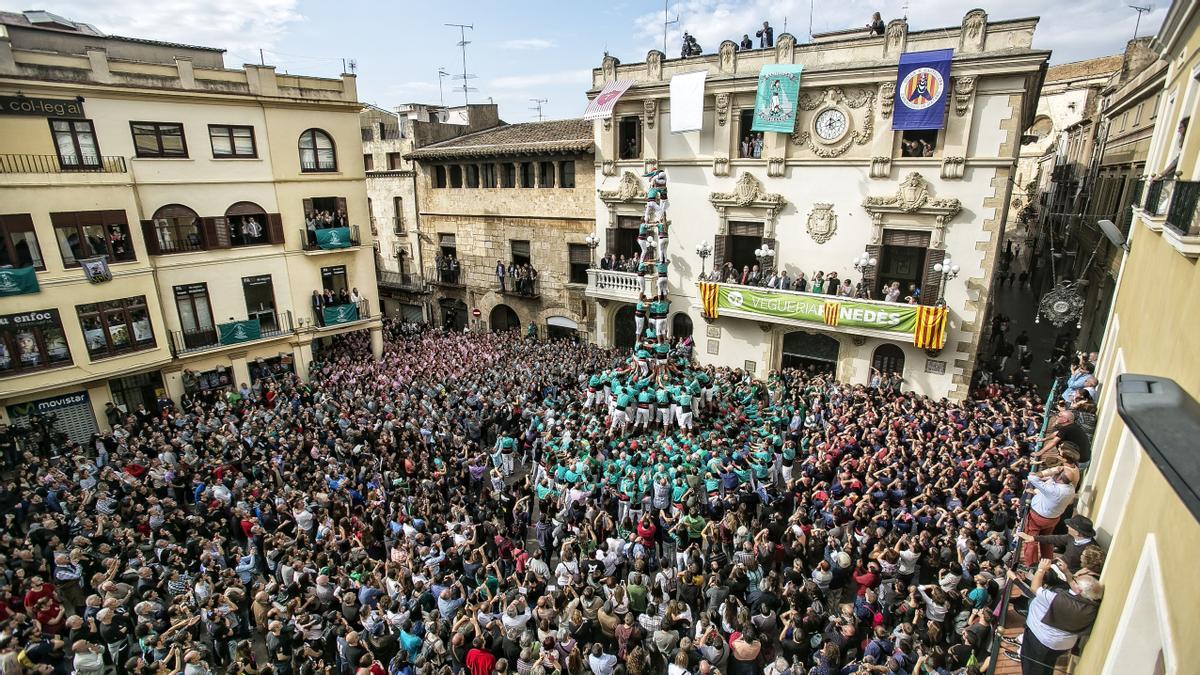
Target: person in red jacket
column 868, row 578
column 479, row 660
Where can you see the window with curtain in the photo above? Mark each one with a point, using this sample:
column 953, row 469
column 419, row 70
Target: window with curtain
column 158, row 139
column 232, row 141
column 75, row 141
column 316, row 151
column 19, row 247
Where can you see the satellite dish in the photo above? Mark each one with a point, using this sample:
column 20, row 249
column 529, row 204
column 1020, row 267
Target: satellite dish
column 1109, row 228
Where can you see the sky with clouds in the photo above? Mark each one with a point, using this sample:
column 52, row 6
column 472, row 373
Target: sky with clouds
column 543, row 49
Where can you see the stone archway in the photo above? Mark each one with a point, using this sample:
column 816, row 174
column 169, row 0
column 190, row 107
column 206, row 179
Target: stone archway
column 814, row 352
column 888, row 358
column 681, row 325
column 503, row 318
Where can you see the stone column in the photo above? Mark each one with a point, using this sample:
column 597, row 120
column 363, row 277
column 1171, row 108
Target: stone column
column 241, row 369
column 302, row 357
column 98, row 395
column 173, row 381
column 377, row 342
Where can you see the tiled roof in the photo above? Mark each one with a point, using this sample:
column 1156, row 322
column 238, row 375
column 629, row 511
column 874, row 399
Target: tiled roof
column 86, row 29
column 1096, row 67
column 555, row 137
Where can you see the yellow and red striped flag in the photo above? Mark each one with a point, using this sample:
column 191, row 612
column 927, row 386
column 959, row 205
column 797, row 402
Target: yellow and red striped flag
column 708, row 298
column 829, row 311
column 930, row 331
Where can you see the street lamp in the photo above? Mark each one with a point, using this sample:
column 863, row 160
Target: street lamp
column 703, row 250
column 593, row 242
column 864, row 262
column 764, row 255
column 948, row 270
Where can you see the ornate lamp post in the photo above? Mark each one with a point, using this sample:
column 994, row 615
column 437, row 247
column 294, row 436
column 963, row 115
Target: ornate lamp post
column 764, row 255
column 593, row 242
column 948, row 270
column 864, row 262
column 703, row 250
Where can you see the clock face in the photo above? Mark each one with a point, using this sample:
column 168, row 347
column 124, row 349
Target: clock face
column 831, row 124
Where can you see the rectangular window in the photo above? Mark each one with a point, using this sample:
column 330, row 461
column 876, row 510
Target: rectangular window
column 566, row 173
column 232, row 141
column 158, row 139
column 447, row 245
column 393, row 161
column 745, row 237
column 75, row 142
column 921, row 143
column 456, row 176
column 116, row 326
column 439, row 176
column 750, row 142
column 487, row 177
column 334, row 278
column 195, row 315
column 368, row 162
column 520, row 251
column 259, row 292
column 87, row 234
column 508, row 175
column 546, row 174
column 32, row 340
column 629, row 138
column 19, row 247
column 580, row 258
column 472, row 176
column 527, row 180
column 398, row 215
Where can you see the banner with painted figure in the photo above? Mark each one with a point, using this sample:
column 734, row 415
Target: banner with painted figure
column 335, row 314
column 18, row 281
column 333, row 237
column 927, row 325
column 775, row 102
column 922, row 83
column 239, row 331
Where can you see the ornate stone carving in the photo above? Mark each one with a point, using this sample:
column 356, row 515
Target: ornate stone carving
column 629, row 189
column 963, row 88
column 881, row 167
column 722, row 109
column 607, row 123
column 720, row 165
column 894, row 37
column 608, row 168
column 728, row 56
column 748, row 193
column 974, row 31
column 775, row 166
column 654, row 61
column 913, row 197
column 785, row 48
column 953, row 167
column 650, row 108
column 835, row 96
column 887, row 98
column 608, row 67
column 822, row 223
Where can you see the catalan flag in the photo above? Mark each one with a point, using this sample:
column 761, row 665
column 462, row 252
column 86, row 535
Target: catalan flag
column 930, row 331
column 829, row 312
column 708, row 298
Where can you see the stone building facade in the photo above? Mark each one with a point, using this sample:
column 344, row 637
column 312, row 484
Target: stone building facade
column 514, row 193
column 819, row 201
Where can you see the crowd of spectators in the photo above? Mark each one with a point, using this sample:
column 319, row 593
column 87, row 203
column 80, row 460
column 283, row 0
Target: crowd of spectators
column 518, row 277
column 448, row 268
column 466, row 504
column 332, row 298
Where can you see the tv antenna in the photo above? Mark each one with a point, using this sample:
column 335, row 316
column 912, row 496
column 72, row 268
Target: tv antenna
column 442, row 73
column 353, row 66
column 1140, row 11
column 537, row 105
column 465, row 77
column 667, row 23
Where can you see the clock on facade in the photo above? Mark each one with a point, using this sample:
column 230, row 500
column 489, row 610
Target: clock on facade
column 831, row 124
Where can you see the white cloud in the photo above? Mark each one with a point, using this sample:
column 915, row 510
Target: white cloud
column 582, row 77
column 1079, row 30
column 244, row 25
column 527, row 43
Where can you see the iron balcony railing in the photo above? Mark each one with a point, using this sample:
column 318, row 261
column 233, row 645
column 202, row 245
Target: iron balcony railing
column 53, row 164
column 341, row 313
column 1181, row 216
column 326, row 239
column 446, row 276
column 270, row 325
column 405, row 281
column 526, row 288
column 1157, row 196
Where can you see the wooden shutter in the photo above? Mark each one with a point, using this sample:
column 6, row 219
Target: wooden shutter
column 150, row 236
column 579, row 254
column 931, row 286
column 871, row 276
column 611, row 240
column 216, row 232
column 274, row 228
column 720, row 248
column 308, row 209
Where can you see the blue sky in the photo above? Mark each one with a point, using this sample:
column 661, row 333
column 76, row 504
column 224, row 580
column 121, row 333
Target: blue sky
column 540, row 48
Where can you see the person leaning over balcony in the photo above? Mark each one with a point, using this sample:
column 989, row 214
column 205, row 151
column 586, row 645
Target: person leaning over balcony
column 1080, row 535
column 1067, row 430
column 1057, row 617
column 1053, row 494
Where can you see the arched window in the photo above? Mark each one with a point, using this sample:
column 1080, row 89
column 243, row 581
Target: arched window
column 888, row 359
column 681, row 326
column 177, row 229
column 316, row 151
column 247, row 224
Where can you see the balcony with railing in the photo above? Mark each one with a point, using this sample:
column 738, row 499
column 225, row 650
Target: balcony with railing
column 260, row 326
column 520, row 288
column 327, row 239
column 446, row 277
column 53, row 164
column 401, row 281
column 1181, row 214
column 331, row 316
column 1158, row 195
column 612, row 285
